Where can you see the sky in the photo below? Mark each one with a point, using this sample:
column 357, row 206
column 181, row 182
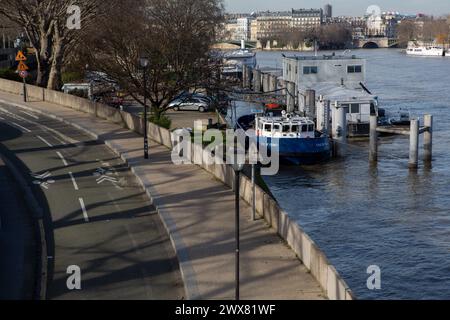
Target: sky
column 343, row 7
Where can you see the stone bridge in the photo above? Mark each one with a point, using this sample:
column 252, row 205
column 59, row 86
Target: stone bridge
column 371, row 43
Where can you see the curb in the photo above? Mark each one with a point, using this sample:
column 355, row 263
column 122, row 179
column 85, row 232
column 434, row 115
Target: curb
column 186, row 269
column 37, row 215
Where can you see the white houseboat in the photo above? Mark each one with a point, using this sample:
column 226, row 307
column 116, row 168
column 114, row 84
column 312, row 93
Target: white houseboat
column 234, row 61
column 330, row 81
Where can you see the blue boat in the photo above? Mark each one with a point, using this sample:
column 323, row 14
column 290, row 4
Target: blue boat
column 294, row 136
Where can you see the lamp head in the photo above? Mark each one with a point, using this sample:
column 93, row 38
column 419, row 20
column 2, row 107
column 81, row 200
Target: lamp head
column 144, row 62
column 238, row 167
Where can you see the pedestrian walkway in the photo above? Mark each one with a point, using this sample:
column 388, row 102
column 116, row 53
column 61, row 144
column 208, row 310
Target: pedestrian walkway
column 199, row 213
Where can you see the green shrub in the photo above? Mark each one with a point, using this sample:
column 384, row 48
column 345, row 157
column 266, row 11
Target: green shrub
column 68, row 77
column 9, row 74
column 162, row 121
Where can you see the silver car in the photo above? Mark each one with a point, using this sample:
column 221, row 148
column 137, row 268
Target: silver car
column 190, row 104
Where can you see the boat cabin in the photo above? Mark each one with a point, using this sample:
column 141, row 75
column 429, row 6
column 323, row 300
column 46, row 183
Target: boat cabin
column 285, row 126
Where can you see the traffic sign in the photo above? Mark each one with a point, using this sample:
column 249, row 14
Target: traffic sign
column 20, row 56
column 23, row 74
column 22, row 66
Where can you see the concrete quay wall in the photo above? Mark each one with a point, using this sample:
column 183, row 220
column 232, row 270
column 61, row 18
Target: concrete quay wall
column 267, row 208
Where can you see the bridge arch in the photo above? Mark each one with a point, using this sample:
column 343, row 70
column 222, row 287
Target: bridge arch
column 371, row 45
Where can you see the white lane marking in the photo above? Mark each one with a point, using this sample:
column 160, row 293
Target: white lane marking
column 75, row 185
column 20, row 127
column 41, row 126
column 59, row 140
column 41, row 176
column 83, row 208
column 44, row 141
column 62, row 158
column 29, row 114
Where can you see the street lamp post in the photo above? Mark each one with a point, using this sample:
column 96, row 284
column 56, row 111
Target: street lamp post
column 144, row 62
column 237, row 172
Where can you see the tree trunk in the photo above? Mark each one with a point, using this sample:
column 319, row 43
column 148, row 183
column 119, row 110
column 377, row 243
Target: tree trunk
column 43, row 60
column 55, row 76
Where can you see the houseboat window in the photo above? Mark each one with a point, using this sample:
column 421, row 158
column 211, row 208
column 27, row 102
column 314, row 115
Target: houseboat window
column 304, row 128
column 311, row 128
column 268, row 127
column 286, row 128
column 354, row 69
column 310, row 70
column 276, row 127
column 346, row 107
column 295, row 128
column 372, row 109
column 354, row 108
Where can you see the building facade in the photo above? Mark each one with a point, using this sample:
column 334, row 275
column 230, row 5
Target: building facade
column 273, row 24
column 384, row 25
column 306, row 18
column 328, row 11
column 243, row 28
column 7, row 51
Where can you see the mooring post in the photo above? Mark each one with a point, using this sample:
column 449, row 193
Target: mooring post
column 266, row 82
column 282, row 87
column 273, row 83
column 414, row 145
column 257, row 80
column 373, row 149
column 428, row 138
column 310, row 102
column 253, row 192
column 340, row 131
column 290, row 96
column 245, row 76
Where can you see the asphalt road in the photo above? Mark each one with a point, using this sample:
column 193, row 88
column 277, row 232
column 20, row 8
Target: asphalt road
column 17, row 242
column 96, row 215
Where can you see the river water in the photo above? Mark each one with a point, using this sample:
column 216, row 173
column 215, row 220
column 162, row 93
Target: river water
column 386, row 215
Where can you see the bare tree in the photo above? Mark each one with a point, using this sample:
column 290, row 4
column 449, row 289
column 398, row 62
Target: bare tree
column 407, row 31
column 175, row 36
column 45, row 24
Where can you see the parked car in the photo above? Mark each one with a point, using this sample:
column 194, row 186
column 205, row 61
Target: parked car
column 190, row 104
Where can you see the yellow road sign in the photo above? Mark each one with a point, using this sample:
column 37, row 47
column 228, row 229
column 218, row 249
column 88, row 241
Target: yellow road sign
column 20, row 56
column 22, row 66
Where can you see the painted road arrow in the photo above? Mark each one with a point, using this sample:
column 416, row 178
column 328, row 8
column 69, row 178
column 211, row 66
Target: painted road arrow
column 106, row 178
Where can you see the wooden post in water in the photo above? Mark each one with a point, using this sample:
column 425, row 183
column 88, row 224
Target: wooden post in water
column 290, row 96
column 257, row 80
column 244, row 76
column 428, row 138
column 414, row 145
column 373, row 148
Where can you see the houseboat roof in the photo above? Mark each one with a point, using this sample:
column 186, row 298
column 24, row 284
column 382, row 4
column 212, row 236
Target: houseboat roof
column 323, row 57
column 239, row 54
column 333, row 92
column 292, row 119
